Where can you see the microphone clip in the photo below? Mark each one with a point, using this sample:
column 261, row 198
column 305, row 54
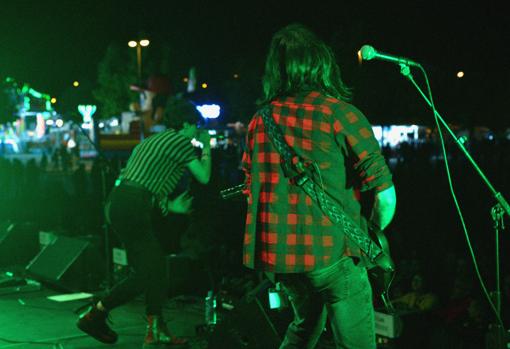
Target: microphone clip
column 405, row 70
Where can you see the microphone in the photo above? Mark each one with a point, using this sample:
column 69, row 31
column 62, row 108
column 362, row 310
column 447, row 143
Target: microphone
column 367, row 52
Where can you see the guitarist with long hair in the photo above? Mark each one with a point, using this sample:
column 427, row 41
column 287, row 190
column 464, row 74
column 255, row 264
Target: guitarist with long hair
column 288, row 233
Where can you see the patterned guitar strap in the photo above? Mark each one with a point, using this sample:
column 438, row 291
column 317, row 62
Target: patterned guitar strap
column 297, row 172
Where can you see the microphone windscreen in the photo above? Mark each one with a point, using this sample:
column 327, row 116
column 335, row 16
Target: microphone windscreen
column 367, row 52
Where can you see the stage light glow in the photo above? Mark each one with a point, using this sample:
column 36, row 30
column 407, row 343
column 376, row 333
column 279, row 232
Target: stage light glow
column 209, row 111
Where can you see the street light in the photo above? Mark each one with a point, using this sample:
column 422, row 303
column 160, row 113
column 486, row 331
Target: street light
column 138, row 45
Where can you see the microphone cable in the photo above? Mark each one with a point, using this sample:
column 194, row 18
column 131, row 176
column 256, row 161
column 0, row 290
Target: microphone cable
column 455, row 200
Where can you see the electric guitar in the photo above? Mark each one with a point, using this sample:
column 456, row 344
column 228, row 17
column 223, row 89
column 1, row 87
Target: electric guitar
column 381, row 272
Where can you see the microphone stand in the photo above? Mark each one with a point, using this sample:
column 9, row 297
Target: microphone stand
column 103, row 168
column 497, row 212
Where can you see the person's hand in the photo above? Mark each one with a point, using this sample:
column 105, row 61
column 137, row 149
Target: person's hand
column 204, row 137
column 181, row 204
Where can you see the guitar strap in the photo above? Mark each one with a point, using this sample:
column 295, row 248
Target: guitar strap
column 298, row 172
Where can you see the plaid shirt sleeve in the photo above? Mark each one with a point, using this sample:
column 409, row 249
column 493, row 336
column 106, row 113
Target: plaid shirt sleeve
column 352, row 127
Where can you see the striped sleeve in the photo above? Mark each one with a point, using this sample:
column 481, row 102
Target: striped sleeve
column 183, row 151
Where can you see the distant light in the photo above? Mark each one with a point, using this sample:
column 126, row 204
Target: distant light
column 49, row 122
column 460, row 74
column 236, row 76
column 114, row 123
column 87, row 111
column 144, row 42
column 76, row 84
column 101, row 124
column 132, row 43
column 393, row 135
column 378, row 133
column 13, row 143
column 53, row 100
column 185, row 79
column 71, row 144
column 59, row 122
column 204, row 85
column 87, row 126
column 209, row 111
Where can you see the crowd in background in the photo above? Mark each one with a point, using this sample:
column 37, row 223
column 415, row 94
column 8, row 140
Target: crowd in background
column 435, row 289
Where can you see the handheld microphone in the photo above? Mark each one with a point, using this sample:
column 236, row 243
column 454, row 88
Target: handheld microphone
column 367, row 52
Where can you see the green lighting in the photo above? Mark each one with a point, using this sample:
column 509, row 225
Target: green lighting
column 35, row 93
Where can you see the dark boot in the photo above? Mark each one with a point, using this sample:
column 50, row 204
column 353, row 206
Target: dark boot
column 93, row 323
column 158, row 335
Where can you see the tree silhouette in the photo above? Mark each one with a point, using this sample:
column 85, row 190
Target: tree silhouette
column 8, row 103
column 116, row 72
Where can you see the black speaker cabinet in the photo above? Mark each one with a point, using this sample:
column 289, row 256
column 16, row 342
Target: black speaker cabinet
column 19, row 243
column 73, row 264
column 187, row 276
column 251, row 324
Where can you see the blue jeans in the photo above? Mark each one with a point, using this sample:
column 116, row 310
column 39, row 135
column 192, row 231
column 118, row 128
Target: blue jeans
column 341, row 292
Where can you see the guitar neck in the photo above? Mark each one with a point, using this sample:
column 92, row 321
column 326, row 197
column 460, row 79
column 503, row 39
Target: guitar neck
column 233, row 192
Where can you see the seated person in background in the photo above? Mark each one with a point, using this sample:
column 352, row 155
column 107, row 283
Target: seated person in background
column 418, row 299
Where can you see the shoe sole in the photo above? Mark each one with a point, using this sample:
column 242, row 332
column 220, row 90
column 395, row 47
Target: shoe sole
column 88, row 331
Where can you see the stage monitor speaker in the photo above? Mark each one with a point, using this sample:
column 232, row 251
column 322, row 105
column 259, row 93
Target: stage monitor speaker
column 187, row 276
column 73, row 264
column 18, row 243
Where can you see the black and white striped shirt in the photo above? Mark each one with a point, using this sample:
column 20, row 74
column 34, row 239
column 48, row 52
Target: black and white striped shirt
column 158, row 163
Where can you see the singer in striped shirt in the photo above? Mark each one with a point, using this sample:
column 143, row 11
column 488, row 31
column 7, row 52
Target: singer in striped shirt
column 144, row 185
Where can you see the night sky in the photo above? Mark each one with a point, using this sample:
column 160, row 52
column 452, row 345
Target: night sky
column 49, row 44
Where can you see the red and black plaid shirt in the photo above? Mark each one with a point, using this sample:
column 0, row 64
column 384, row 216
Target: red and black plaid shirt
column 285, row 231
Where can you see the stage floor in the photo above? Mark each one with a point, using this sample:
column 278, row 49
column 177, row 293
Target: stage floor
column 32, row 317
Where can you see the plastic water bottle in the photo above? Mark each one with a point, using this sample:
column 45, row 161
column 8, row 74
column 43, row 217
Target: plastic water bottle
column 210, row 308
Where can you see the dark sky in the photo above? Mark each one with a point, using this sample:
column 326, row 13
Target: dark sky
column 49, row 44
